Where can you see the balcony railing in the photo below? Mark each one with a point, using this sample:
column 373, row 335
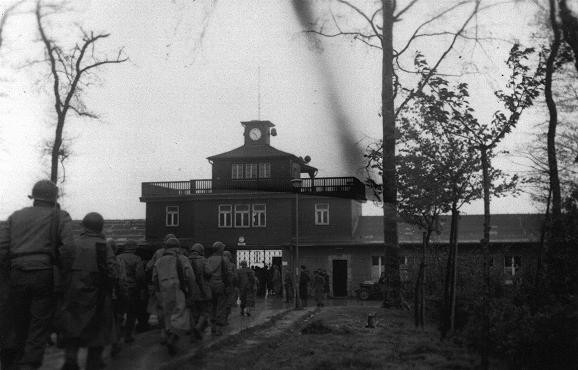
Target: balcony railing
column 348, row 187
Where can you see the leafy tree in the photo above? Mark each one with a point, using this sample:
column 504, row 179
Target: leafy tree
column 524, row 85
column 376, row 30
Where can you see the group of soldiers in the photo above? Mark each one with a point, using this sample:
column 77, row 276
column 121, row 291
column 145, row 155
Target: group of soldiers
column 84, row 288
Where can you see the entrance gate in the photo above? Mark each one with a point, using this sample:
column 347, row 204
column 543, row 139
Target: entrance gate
column 259, row 257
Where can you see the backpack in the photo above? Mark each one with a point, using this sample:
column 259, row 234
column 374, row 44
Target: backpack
column 170, row 270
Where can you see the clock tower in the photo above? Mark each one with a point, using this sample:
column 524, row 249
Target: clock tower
column 258, row 132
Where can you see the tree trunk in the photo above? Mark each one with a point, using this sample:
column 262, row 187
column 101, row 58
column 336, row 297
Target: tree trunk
column 553, row 122
column 454, row 275
column 392, row 297
column 55, row 154
column 542, row 250
column 486, row 269
column 419, row 296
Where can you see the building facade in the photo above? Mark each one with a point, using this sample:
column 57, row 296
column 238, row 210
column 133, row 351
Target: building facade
column 268, row 206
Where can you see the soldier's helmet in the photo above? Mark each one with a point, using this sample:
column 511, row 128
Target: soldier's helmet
column 173, row 243
column 198, row 248
column 130, row 246
column 44, row 190
column 93, row 221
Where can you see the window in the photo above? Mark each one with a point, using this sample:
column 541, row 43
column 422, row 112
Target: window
column 242, row 215
column 259, row 215
column 237, row 171
column 265, row 170
column 251, row 171
column 172, row 216
column 322, row 214
column 225, row 215
column 512, row 264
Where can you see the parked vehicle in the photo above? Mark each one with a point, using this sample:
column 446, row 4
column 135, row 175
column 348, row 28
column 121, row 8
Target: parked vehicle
column 369, row 290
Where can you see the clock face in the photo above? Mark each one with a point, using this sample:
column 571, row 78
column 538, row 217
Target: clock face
column 255, row 134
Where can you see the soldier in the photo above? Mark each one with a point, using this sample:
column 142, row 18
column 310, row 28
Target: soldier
column 155, row 306
column 87, row 318
column 247, row 285
column 36, row 251
column 119, row 299
column 199, row 302
column 216, row 268
column 318, row 287
column 276, row 281
column 288, row 282
column 231, row 289
column 175, row 282
column 304, row 280
column 135, row 275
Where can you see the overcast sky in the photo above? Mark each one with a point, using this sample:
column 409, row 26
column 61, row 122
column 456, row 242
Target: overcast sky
column 193, row 77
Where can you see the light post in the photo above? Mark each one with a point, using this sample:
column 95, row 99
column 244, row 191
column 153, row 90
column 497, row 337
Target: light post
column 296, row 183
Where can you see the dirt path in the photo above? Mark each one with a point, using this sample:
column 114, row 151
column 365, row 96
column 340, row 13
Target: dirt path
column 336, row 338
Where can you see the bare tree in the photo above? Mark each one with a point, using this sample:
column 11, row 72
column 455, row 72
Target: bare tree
column 71, row 71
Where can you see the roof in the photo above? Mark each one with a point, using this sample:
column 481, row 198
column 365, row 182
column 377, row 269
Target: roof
column 260, row 151
column 252, row 151
column 505, row 228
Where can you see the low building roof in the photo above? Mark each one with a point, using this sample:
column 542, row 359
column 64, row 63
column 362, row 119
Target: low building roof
column 505, row 228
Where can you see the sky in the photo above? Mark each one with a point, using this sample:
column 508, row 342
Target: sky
column 195, row 71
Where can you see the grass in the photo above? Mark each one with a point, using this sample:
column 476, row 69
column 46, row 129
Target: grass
column 337, row 338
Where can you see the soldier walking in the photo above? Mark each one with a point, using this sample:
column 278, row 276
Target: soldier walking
column 216, row 268
column 154, row 303
column 231, row 288
column 175, row 282
column 36, row 249
column 135, row 275
column 199, row 302
column 247, row 285
column 87, row 316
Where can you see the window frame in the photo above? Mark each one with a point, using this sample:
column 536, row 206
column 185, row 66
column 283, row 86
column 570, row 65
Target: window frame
column 242, row 212
column 251, row 171
column 172, row 217
column 225, row 213
column 255, row 212
column 237, row 171
column 264, row 170
column 319, row 212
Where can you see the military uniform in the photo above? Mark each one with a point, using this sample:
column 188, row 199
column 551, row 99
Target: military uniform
column 231, row 291
column 199, row 302
column 87, row 316
column 33, row 242
column 246, row 281
column 175, row 281
column 216, row 268
column 135, row 275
